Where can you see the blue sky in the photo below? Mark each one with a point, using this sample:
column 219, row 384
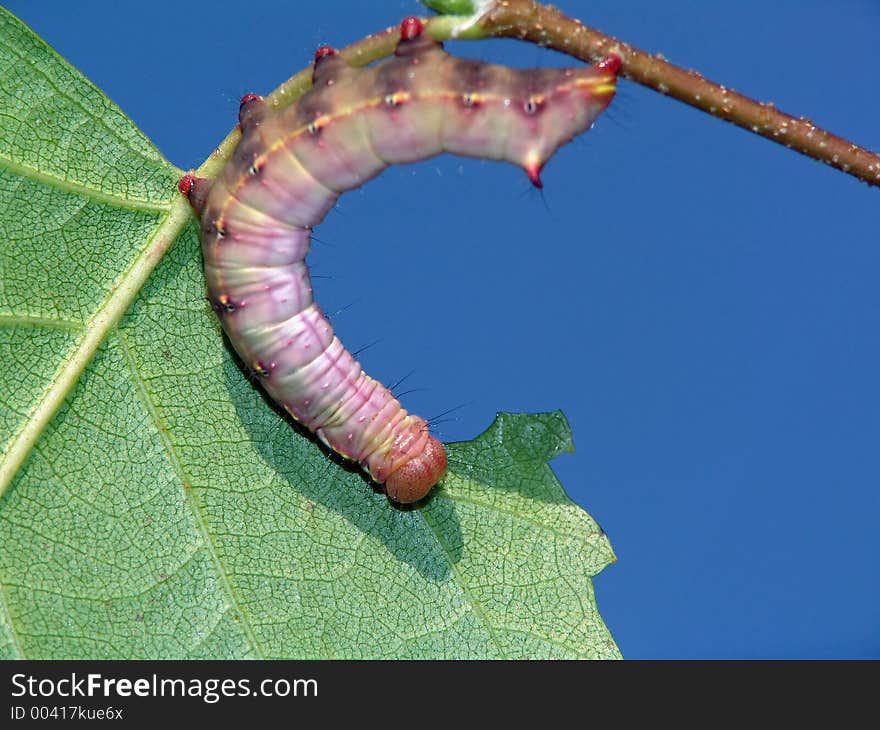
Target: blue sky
column 702, row 304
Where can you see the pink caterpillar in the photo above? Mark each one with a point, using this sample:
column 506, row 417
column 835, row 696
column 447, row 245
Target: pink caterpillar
column 288, row 170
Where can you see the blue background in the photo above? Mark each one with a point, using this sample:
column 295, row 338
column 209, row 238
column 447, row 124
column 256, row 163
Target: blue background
column 702, row 304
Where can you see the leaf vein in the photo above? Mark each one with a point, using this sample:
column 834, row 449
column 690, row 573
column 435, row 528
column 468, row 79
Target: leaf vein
column 7, row 619
column 82, row 189
column 518, row 515
column 478, row 609
column 186, row 485
column 28, row 320
column 104, row 319
column 75, row 102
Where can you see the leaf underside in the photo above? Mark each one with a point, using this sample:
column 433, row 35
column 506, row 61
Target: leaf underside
column 165, row 509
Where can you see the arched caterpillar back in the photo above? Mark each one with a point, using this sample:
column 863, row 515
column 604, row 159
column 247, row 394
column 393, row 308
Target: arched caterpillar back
column 288, row 170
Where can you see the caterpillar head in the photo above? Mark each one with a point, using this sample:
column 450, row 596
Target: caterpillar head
column 415, row 478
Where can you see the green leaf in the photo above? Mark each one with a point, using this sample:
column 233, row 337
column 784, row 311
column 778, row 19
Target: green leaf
column 453, row 7
column 459, row 18
column 157, row 505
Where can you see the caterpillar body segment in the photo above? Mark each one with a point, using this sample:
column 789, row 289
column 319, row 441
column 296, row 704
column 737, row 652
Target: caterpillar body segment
column 287, row 172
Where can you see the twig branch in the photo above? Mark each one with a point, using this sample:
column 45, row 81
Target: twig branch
column 548, row 27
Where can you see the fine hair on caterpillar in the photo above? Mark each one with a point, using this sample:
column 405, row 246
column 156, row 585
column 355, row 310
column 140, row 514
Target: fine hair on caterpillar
column 288, row 170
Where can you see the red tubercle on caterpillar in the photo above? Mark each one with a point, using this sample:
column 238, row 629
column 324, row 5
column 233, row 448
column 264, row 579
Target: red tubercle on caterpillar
column 248, row 98
column 195, row 189
column 411, row 27
column 533, row 170
column 185, row 184
column 412, row 481
column 611, row 63
column 251, row 110
column 324, row 51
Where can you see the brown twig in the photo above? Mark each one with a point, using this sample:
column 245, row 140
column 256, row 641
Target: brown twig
column 547, row 26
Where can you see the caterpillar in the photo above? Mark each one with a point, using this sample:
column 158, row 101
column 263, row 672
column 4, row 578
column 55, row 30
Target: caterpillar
column 288, row 170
